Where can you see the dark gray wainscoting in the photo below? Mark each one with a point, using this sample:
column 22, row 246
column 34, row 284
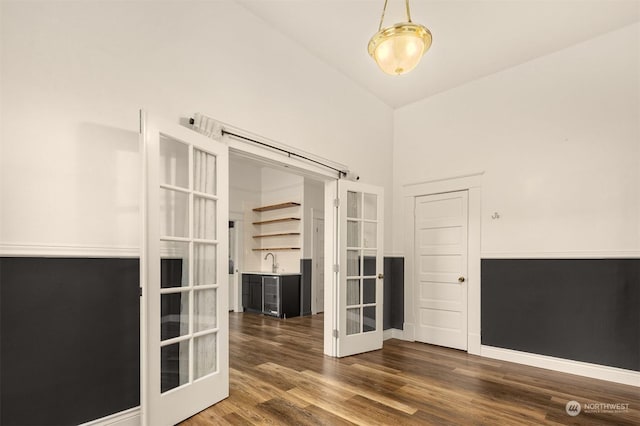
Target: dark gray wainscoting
column 393, row 293
column 580, row 309
column 69, row 339
column 305, row 286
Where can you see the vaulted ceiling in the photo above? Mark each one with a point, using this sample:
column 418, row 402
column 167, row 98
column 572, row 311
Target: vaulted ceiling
column 471, row 38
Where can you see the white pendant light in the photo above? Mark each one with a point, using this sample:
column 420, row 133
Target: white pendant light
column 397, row 49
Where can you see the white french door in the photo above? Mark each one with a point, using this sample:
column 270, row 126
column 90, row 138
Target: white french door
column 358, row 313
column 184, row 263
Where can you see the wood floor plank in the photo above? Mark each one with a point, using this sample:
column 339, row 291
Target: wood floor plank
column 367, row 393
column 279, row 376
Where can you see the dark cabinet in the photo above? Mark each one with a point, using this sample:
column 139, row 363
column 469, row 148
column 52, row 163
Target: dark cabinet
column 255, row 295
column 276, row 295
column 252, row 292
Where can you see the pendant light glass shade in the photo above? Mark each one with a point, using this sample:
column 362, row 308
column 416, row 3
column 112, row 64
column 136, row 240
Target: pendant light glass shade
column 397, row 49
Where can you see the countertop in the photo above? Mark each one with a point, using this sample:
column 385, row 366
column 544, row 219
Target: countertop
column 279, row 274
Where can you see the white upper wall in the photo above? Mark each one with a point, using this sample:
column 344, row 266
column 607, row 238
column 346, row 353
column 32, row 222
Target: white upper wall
column 558, row 140
column 75, row 73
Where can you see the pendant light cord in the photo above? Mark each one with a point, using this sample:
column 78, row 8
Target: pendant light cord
column 384, row 9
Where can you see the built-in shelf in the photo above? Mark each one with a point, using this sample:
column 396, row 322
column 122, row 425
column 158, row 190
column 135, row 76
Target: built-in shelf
column 282, row 234
column 276, row 206
column 286, row 232
column 276, row 249
column 284, row 219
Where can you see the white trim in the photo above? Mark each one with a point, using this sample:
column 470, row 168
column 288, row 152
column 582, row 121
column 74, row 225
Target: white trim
column 468, row 182
column 130, row 417
column 393, row 333
column 330, row 275
column 408, row 329
column 438, row 185
column 408, row 205
column 474, row 341
column 238, row 219
column 316, row 215
column 65, row 250
column 570, row 254
column 594, row 371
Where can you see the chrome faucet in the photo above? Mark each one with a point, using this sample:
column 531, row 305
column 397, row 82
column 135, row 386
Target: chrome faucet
column 274, row 265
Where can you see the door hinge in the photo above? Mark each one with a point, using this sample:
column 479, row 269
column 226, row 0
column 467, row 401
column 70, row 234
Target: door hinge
column 336, row 268
column 336, row 202
column 335, row 333
column 140, row 291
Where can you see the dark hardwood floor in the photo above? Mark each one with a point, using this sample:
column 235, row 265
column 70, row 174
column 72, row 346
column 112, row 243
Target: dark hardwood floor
column 279, row 376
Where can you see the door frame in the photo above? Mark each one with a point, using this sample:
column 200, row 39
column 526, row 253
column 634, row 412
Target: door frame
column 238, row 219
column 316, row 215
column 472, row 183
column 269, row 156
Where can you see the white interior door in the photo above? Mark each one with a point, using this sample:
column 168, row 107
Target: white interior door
column 360, row 267
column 441, row 262
column 184, row 268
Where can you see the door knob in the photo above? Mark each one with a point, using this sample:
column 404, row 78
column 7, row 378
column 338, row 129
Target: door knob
column 461, row 279
column 380, row 276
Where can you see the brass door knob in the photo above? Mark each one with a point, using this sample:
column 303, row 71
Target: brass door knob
column 461, row 279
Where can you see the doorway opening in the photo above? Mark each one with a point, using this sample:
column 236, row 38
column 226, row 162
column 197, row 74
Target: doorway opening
column 278, row 239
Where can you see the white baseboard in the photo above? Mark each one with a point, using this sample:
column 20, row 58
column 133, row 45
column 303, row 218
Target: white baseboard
column 393, row 333
column 130, row 417
column 595, row 371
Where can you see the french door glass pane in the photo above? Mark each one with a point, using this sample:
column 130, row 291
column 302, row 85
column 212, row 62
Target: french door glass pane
column 173, row 162
column 353, row 292
column 174, row 365
column 205, row 355
column 204, row 309
column 204, row 215
column 369, row 320
column 174, row 311
column 370, row 234
column 353, row 233
column 369, row 260
column 174, row 264
column 353, row 321
column 204, row 172
column 354, row 207
column 174, row 212
column 353, row 269
column 369, row 290
column 204, row 265
column 370, row 206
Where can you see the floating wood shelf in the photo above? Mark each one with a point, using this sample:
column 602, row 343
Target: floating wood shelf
column 276, row 249
column 276, row 206
column 284, row 219
column 283, row 234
